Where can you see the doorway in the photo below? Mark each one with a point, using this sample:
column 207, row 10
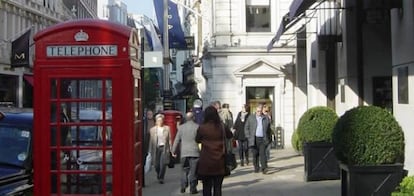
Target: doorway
column 260, row 95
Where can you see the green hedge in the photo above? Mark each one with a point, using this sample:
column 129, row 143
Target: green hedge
column 406, row 187
column 315, row 125
column 295, row 141
column 368, row 135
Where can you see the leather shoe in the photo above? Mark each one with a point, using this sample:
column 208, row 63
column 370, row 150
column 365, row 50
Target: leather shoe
column 264, row 171
column 161, row 181
column 182, row 190
column 194, row 192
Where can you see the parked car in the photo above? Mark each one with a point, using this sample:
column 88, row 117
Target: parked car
column 87, row 160
column 16, row 167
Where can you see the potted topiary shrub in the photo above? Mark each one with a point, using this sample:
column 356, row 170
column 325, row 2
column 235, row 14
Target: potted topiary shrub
column 295, row 142
column 406, row 187
column 314, row 134
column 369, row 143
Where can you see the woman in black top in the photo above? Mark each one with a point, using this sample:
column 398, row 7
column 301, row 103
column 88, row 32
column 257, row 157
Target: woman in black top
column 240, row 136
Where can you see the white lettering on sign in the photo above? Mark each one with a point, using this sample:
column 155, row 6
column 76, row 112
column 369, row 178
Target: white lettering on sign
column 81, row 50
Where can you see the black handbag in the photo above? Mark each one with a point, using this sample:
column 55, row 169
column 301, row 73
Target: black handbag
column 230, row 162
column 171, row 164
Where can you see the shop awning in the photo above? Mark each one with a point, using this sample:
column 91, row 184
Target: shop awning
column 296, row 10
column 29, row 79
column 298, row 7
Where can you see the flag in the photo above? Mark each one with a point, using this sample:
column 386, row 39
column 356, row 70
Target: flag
column 20, row 50
column 276, row 38
column 175, row 31
column 152, row 36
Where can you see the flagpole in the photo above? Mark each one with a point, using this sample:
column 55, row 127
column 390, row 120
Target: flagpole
column 166, row 61
column 190, row 9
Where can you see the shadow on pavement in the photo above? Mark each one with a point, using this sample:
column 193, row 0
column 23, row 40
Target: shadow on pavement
column 283, row 158
column 241, row 183
column 272, row 170
column 240, row 172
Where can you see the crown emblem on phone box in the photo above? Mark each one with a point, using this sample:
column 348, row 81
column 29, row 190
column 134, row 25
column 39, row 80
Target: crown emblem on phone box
column 81, row 36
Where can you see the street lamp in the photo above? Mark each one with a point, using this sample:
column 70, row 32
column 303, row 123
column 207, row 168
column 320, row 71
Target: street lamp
column 166, row 53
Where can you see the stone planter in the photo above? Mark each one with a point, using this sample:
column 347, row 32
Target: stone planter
column 370, row 180
column 320, row 162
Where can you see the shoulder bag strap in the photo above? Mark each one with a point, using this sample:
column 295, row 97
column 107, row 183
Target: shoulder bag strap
column 224, row 138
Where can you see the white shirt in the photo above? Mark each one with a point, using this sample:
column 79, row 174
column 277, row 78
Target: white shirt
column 160, row 135
column 259, row 128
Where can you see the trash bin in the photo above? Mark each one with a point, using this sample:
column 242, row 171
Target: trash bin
column 280, row 142
column 173, row 119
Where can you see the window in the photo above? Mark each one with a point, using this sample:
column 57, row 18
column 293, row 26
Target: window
column 257, row 16
column 8, row 92
column 403, row 85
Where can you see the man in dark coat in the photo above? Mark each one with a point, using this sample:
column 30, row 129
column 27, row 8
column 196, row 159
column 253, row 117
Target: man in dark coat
column 257, row 130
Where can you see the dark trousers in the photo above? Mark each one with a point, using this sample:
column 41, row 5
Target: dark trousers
column 244, row 151
column 160, row 164
column 188, row 174
column 259, row 153
column 212, row 184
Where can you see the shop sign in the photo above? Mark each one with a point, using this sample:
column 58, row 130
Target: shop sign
column 81, row 50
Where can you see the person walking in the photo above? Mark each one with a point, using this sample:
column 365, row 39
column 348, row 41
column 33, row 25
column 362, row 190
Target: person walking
column 257, row 131
column 211, row 134
column 226, row 115
column 189, row 153
column 266, row 112
column 159, row 146
column 239, row 135
column 217, row 105
column 148, row 124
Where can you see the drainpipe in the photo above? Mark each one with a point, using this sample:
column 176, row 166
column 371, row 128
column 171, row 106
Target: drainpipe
column 360, row 51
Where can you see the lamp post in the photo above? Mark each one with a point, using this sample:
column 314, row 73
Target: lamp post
column 167, row 103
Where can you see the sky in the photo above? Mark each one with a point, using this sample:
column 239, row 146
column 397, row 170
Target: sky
column 145, row 7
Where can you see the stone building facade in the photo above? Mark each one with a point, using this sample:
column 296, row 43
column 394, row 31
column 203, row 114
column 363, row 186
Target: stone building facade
column 16, row 18
column 236, row 67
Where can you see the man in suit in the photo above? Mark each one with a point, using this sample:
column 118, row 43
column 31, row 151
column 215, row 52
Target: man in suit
column 189, row 153
column 257, row 131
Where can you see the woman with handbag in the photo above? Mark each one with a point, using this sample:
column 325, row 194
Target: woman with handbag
column 211, row 165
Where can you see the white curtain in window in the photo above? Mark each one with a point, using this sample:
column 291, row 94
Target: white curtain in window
column 258, row 2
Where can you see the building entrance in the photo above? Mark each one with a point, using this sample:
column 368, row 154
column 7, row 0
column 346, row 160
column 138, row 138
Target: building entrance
column 260, row 95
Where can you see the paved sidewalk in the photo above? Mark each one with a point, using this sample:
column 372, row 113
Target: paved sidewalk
column 285, row 178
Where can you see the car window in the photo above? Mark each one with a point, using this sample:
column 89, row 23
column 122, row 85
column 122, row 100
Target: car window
column 84, row 133
column 14, row 145
column 89, row 135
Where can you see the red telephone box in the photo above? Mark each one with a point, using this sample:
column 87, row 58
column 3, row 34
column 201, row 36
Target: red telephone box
column 87, row 110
